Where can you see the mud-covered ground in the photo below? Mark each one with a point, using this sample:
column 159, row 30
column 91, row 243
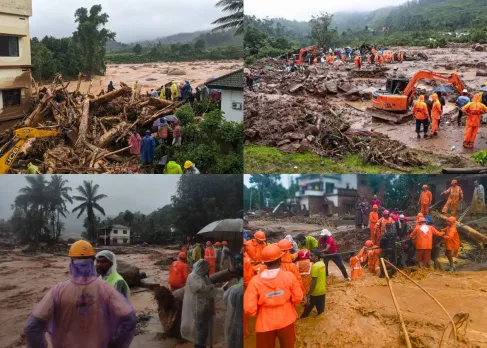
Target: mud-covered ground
column 294, row 113
column 25, row 279
column 361, row 313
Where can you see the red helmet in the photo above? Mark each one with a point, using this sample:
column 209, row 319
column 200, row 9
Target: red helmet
column 182, row 255
column 218, row 244
column 284, row 245
column 369, row 244
column 385, row 212
column 208, row 243
column 271, row 253
column 452, row 219
column 303, row 254
column 259, row 235
column 224, row 242
column 375, row 206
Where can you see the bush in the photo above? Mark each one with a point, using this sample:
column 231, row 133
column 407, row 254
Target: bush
column 185, row 114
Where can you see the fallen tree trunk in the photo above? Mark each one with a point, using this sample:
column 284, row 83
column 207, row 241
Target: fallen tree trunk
column 107, row 138
column 102, row 152
column 469, row 232
column 36, row 116
column 477, row 170
column 111, row 95
column 168, row 110
column 83, row 124
column 160, row 103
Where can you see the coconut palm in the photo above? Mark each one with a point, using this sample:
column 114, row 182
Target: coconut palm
column 89, row 197
column 59, row 194
column 235, row 20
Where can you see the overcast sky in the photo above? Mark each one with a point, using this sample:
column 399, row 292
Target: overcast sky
column 303, row 11
column 144, row 193
column 285, row 179
column 132, row 20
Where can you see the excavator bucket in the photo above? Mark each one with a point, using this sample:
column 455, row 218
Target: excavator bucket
column 378, row 114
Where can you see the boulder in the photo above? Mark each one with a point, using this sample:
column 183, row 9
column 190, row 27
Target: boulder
column 367, row 92
column 345, row 87
column 478, row 48
column 331, row 86
column 130, row 273
column 29, row 248
column 304, row 146
column 176, row 71
column 149, row 283
column 481, row 73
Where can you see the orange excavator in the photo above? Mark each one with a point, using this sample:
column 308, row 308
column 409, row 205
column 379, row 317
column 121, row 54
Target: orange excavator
column 304, row 50
column 394, row 103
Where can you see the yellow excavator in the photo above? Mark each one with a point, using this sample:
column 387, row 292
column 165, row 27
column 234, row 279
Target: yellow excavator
column 394, row 103
column 10, row 151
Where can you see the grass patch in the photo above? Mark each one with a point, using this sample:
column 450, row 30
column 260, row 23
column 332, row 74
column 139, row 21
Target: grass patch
column 269, row 160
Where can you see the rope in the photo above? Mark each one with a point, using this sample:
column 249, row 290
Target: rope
column 434, row 299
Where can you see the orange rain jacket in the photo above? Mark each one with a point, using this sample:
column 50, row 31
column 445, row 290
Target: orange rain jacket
column 288, row 265
column 420, row 109
column 452, row 239
column 424, row 239
column 373, row 218
column 455, row 193
column 436, row 109
column 254, row 249
column 210, row 257
column 373, row 256
column 425, row 197
column 355, row 263
column 474, row 111
column 381, row 228
column 271, row 297
column 178, row 273
column 304, row 268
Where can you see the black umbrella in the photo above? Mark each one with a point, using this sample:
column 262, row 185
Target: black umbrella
column 443, row 89
column 230, row 230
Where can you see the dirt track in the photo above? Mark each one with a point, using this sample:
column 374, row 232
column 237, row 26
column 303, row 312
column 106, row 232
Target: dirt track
column 294, row 117
column 361, row 313
column 24, row 280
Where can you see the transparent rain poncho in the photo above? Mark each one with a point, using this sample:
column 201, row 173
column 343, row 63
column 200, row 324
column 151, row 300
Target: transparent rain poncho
column 198, row 306
column 81, row 312
column 233, row 299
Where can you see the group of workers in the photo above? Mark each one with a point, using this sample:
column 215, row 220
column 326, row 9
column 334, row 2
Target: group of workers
column 279, row 276
column 371, row 58
column 426, row 113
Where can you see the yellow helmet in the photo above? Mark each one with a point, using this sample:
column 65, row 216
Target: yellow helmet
column 81, row 248
column 188, row 164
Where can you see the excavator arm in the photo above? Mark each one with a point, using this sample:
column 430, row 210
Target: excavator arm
column 303, row 50
column 431, row 75
column 20, row 137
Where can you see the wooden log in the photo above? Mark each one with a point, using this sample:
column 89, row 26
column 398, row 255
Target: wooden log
column 102, row 152
column 36, row 116
column 109, row 136
column 159, row 103
column 476, row 170
column 111, row 95
column 168, row 110
column 83, row 125
column 469, row 232
column 80, row 75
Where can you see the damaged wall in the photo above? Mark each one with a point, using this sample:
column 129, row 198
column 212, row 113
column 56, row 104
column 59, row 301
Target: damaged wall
column 15, row 79
column 16, row 7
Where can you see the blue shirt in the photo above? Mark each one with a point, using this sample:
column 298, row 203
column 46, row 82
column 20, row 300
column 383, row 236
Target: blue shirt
column 154, row 94
column 462, row 101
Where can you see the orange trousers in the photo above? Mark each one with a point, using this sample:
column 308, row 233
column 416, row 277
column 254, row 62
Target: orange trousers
column 286, row 337
column 423, row 256
column 470, row 135
column 372, row 228
column 434, row 127
column 453, row 204
column 425, row 208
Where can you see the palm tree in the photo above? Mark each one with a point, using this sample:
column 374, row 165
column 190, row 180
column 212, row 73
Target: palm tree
column 233, row 21
column 89, row 198
column 59, row 193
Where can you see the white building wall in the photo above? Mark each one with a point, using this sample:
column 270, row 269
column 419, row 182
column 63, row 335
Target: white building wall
column 228, row 97
column 350, row 179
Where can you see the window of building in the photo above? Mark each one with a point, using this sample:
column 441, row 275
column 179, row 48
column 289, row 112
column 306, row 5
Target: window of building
column 115, row 231
column 11, row 98
column 125, row 241
column 349, row 207
column 114, row 241
column 9, row 46
column 329, row 187
column 124, row 231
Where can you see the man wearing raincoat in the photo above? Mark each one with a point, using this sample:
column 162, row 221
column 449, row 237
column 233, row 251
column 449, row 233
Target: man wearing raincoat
column 147, row 147
column 198, row 306
column 435, row 114
column 455, row 195
column 83, row 311
column 106, row 266
column 474, row 111
column 233, row 299
column 478, row 199
column 174, row 91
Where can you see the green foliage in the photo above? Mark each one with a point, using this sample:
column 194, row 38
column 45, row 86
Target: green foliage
column 403, row 191
column 235, row 20
column 137, row 49
column 320, row 29
column 266, row 186
column 480, row 157
column 185, row 114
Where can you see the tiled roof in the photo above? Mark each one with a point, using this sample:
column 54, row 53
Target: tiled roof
column 233, row 80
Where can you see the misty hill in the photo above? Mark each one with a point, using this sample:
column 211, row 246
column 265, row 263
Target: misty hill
column 212, row 39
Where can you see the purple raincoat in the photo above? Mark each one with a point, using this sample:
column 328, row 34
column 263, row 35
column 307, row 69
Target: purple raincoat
column 81, row 312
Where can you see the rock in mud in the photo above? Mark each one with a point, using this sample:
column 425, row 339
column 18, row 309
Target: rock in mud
column 130, row 273
column 176, row 71
column 251, row 133
column 149, row 283
column 304, row 146
column 478, row 48
column 290, row 148
column 345, row 87
column 151, row 79
column 481, row 73
column 331, row 86
column 367, row 92
column 30, row 248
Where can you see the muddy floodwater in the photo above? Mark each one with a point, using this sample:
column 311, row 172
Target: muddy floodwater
column 25, row 279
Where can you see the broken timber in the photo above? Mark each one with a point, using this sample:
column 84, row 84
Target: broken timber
column 469, row 232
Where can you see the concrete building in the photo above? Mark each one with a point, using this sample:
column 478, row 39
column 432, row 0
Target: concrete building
column 114, row 235
column 15, row 59
column 231, row 86
column 330, row 194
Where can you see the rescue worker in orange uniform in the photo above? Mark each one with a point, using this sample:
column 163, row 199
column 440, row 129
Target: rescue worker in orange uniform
column 425, row 199
column 254, row 247
column 210, row 256
column 421, row 114
column 368, row 58
column 455, row 194
column 373, row 255
column 376, row 59
column 381, row 60
column 380, row 226
column 435, row 114
column 356, row 263
column 287, row 260
column 304, row 267
column 272, row 296
column 423, row 241
column 373, row 218
column 452, row 241
column 474, row 111
column 178, row 273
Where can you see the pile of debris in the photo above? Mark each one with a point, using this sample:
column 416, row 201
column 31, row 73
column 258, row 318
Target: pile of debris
column 300, row 124
column 97, row 128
